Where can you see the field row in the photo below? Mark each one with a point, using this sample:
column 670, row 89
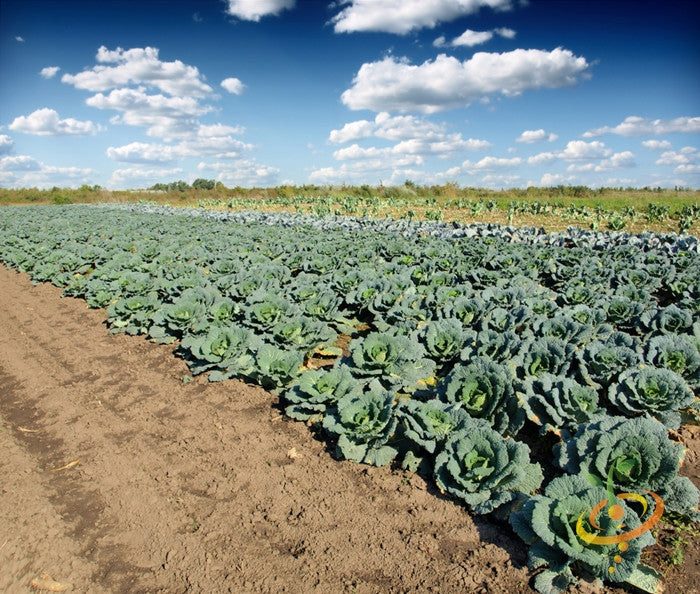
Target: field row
column 441, row 348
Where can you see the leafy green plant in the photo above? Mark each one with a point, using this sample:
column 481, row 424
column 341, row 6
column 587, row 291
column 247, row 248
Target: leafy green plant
column 677, row 353
column 225, row 351
column 397, row 360
column 548, row 524
column 132, row 314
column 363, row 425
column 639, row 455
column 601, row 362
column 653, row 391
column 428, row 423
column 444, row 340
column 171, row 321
column 303, row 333
column 317, row 390
column 484, row 389
column 545, row 355
column 555, row 402
column 478, row 466
column 275, row 367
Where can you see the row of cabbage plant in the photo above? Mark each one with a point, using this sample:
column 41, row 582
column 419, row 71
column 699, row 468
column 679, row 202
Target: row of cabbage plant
column 460, row 344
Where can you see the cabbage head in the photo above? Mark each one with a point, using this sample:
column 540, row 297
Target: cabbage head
column 555, row 402
column 623, row 313
column 677, row 353
column 364, row 425
column 660, row 393
column 427, row 424
column 568, row 329
column 499, row 347
column 478, row 466
column 171, row 321
column 668, row 320
column 303, row 333
column 265, row 310
column 444, row 340
column 132, row 314
column 547, row 523
column 601, row 362
column 225, row 351
column 484, row 390
column 318, row 389
column 512, row 319
column 545, row 355
column 223, row 311
column 637, row 452
column 468, row 310
column 399, row 361
column 275, row 367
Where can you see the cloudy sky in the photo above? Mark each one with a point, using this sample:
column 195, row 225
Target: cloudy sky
column 486, row 93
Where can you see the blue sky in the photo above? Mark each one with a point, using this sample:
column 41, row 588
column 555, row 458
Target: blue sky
column 484, row 93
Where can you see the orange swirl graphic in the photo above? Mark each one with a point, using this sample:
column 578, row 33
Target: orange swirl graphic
column 615, row 512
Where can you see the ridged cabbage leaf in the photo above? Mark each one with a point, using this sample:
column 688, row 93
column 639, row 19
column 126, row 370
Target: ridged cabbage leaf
column 478, row 466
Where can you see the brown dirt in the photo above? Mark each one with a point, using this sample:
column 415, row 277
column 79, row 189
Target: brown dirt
column 197, row 487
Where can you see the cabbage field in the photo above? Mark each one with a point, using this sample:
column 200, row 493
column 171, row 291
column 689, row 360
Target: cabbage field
column 535, row 377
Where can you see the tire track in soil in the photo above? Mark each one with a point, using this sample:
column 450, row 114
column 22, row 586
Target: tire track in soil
column 192, row 487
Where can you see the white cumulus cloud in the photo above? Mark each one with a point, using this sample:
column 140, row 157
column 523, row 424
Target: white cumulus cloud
column 209, row 141
column 638, row 126
column 393, row 84
column 555, row 179
column 471, row 38
column 233, row 85
column 139, row 66
column 254, row 10
column 685, row 160
column 23, row 171
column 151, row 153
column 163, row 116
column 532, row 136
column 49, row 71
column 404, row 16
column 46, row 122
column 505, row 32
column 580, row 150
column 407, row 127
column 19, row 163
column 168, row 99
column 6, row 144
column 541, row 158
column 656, row 145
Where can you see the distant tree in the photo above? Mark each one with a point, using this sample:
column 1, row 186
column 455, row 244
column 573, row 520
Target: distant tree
column 203, row 184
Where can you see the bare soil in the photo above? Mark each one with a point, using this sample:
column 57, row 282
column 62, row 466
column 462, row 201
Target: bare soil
column 118, row 476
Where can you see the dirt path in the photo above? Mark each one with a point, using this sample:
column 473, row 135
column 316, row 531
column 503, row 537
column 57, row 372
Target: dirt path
column 196, row 487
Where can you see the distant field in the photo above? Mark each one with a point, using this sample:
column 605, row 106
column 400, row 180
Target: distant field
column 632, row 210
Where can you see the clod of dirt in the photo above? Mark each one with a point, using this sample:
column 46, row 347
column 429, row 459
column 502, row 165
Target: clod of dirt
column 47, row 584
